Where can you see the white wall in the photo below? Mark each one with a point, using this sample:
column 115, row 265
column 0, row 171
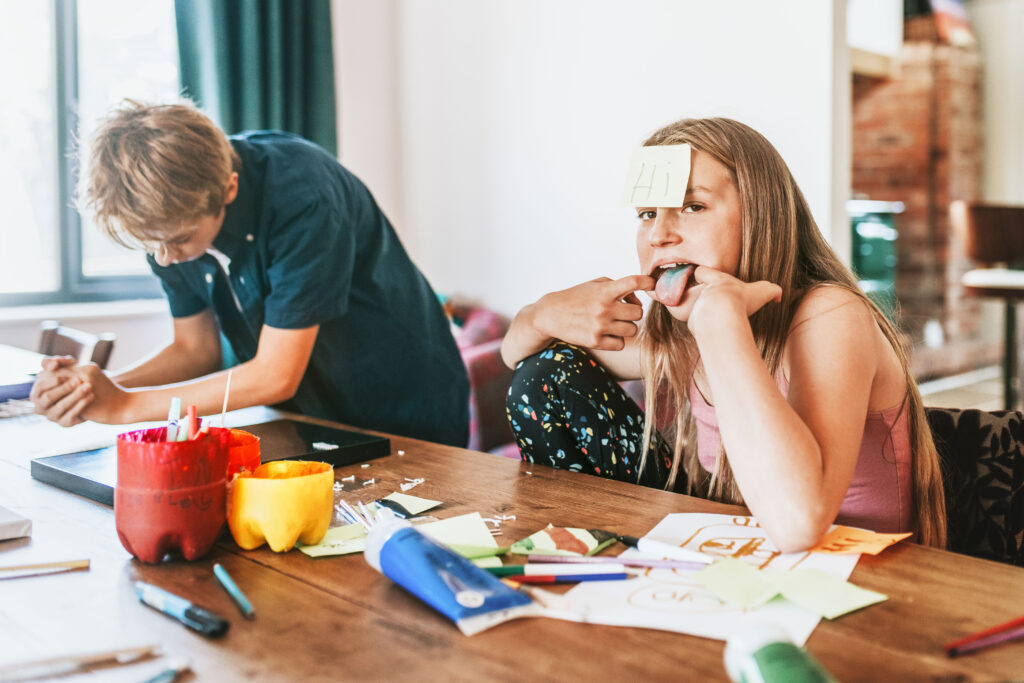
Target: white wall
column 516, row 120
column 998, row 25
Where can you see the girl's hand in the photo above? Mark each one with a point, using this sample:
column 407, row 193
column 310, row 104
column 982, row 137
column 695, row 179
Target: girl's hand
column 723, row 297
column 600, row 314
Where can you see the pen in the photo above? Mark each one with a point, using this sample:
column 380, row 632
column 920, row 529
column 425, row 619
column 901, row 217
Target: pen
column 171, row 673
column 192, row 616
column 570, row 578
column 673, row 552
column 244, row 606
column 173, row 415
column 69, row 663
column 987, row 641
column 644, row 562
column 555, row 569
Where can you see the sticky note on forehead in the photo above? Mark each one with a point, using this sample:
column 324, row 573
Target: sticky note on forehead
column 657, row 176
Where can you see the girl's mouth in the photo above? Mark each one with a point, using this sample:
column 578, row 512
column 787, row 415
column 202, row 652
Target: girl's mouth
column 672, row 281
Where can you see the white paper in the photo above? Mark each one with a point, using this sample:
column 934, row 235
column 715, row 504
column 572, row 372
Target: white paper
column 13, row 525
column 671, row 600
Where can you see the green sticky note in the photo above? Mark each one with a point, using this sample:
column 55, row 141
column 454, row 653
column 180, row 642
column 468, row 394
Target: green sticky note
column 823, row 593
column 737, row 582
column 474, row 552
column 487, row 561
column 341, row 540
column 413, row 504
column 556, row 540
column 657, row 176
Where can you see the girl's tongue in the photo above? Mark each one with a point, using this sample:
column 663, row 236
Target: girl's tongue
column 671, row 285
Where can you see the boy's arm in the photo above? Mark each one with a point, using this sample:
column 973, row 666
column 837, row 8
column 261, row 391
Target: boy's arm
column 272, row 376
column 194, row 352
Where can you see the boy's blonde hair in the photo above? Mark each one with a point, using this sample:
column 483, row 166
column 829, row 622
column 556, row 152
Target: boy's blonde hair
column 153, row 169
column 780, row 243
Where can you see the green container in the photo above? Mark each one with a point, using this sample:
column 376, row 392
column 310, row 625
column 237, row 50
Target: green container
column 873, row 226
column 764, row 654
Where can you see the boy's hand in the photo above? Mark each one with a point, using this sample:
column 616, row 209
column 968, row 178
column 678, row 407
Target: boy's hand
column 109, row 402
column 59, row 393
column 600, row 314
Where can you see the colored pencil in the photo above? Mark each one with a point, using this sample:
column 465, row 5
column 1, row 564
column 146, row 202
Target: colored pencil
column 225, row 580
column 627, row 561
column 1000, row 628
column 555, row 569
column 570, row 578
column 981, row 643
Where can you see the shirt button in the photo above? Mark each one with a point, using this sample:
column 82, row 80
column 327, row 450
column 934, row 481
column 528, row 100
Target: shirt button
column 249, row 238
column 241, row 280
column 209, row 278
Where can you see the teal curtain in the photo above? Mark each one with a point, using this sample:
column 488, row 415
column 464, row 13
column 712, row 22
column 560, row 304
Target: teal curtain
column 258, row 64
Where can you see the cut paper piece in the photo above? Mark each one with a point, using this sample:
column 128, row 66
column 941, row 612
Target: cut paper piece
column 824, row 593
column 491, row 561
column 463, row 530
column 657, row 176
column 673, row 601
column 738, row 583
column 473, row 552
column 13, row 525
column 42, row 568
column 849, row 540
column 413, row 504
column 341, row 540
column 556, row 540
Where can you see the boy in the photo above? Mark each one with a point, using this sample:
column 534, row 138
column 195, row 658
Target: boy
column 266, row 239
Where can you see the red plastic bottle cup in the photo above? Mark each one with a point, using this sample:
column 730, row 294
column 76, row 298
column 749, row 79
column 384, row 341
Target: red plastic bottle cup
column 244, row 452
column 171, row 496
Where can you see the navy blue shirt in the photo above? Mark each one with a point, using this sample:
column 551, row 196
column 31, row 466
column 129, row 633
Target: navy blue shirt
column 308, row 246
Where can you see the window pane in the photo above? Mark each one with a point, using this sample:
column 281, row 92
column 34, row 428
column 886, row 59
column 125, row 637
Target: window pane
column 29, row 257
column 126, row 48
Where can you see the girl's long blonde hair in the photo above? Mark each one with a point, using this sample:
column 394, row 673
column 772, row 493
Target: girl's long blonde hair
column 782, row 244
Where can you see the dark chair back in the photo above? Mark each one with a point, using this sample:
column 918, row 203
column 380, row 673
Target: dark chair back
column 982, row 459
column 58, row 340
column 991, row 233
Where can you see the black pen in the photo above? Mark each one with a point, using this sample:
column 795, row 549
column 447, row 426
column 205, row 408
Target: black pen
column 196, row 618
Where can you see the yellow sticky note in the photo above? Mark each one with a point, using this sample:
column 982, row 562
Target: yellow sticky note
column 847, row 540
column 737, row 582
column 657, row 176
column 823, row 593
column 341, row 540
column 468, row 529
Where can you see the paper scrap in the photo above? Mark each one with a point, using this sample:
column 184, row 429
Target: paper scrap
column 848, row 540
column 13, row 525
column 467, row 529
column 564, row 541
column 824, row 593
column 341, row 540
column 474, row 552
column 657, row 176
column 413, row 504
column 491, row 561
column 737, row 582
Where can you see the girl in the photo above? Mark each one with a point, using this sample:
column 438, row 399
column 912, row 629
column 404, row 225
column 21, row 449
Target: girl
column 782, row 386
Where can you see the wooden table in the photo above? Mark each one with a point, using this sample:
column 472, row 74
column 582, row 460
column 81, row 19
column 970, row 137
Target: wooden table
column 336, row 618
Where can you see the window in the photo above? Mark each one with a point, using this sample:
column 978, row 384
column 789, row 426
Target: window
column 68, row 62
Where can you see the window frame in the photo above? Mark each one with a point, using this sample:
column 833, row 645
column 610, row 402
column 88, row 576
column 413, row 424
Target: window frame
column 75, row 286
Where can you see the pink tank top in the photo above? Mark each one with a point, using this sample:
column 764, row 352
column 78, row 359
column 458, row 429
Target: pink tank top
column 880, row 496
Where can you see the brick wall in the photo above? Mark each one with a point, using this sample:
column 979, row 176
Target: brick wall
column 917, row 138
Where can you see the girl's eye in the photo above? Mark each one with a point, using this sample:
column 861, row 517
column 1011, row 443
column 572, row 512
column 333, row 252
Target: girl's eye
column 647, row 214
column 693, row 208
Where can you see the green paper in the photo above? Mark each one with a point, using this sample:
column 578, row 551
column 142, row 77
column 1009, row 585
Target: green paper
column 468, row 529
column 468, row 532
column 487, row 561
column 737, row 582
column 824, row 593
column 474, row 552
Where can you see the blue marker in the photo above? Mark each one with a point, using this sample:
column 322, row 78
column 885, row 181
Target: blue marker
column 244, row 606
column 196, row 618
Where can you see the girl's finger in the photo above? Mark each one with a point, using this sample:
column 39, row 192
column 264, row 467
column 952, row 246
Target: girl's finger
column 707, row 276
column 625, row 286
column 622, row 329
column 630, row 311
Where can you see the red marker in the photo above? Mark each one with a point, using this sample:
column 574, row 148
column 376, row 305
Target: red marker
column 193, row 422
column 569, row 578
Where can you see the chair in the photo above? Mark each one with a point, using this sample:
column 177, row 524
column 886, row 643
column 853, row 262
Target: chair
column 981, row 455
column 994, row 236
column 58, row 340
